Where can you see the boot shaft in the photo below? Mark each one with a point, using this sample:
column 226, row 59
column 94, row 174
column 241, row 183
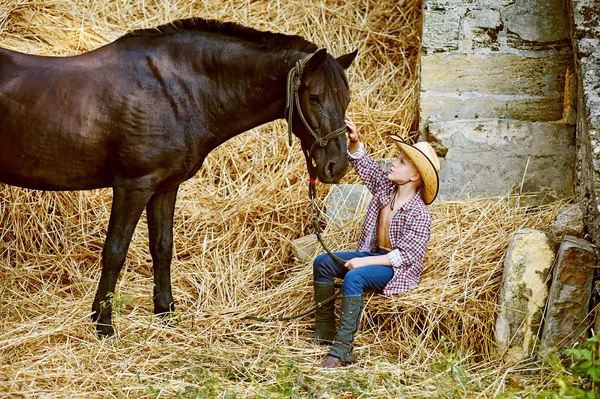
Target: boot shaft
column 350, row 318
column 323, row 292
column 349, row 323
column 325, row 317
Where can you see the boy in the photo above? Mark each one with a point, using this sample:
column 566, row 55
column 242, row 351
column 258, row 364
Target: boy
column 391, row 245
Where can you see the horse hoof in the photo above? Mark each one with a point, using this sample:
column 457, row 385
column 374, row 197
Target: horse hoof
column 105, row 330
column 163, row 304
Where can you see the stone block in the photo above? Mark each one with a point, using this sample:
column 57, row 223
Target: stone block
column 586, row 42
column 464, row 4
column 523, row 293
column 306, row 248
column 495, row 73
column 537, row 21
column 586, row 17
column 440, row 30
column 444, row 4
column 487, row 18
column 569, row 221
column 345, row 202
column 480, row 29
column 569, row 297
column 490, row 157
column 445, row 106
column 498, row 85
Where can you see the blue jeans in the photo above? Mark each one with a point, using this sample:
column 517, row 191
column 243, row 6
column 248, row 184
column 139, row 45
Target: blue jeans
column 356, row 281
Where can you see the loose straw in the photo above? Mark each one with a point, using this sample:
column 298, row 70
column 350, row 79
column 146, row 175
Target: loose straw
column 234, row 223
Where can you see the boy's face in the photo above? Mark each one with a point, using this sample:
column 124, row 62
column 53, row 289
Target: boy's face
column 403, row 170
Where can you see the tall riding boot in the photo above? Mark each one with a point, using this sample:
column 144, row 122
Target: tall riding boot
column 349, row 322
column 325, row 318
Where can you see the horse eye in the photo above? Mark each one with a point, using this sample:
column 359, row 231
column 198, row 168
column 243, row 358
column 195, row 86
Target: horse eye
column 314, row 98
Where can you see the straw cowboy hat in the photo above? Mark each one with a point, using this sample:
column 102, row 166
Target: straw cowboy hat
column 427, row 163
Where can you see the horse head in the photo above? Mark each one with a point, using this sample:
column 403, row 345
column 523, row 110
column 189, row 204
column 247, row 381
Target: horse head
column 318, row 90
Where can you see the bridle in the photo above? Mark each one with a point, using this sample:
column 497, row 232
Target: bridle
column 294, row 80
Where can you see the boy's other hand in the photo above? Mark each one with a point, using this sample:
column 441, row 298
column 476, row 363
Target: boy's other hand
column 351, row 131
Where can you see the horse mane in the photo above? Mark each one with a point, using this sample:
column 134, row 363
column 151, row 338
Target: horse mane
column 264, row 39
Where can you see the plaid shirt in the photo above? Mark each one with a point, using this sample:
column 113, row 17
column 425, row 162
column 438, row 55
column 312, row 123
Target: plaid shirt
column 410, row 227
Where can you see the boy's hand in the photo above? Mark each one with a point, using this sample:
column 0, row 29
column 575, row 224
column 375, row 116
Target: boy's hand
column 352, row 133
column 379, row 260
column 354, row 263
column 352, row 136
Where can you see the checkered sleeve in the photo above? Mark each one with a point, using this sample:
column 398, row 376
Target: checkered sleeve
column 410, row 249
column 372, row 175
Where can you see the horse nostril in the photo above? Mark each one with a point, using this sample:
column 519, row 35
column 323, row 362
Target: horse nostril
column 330, row 169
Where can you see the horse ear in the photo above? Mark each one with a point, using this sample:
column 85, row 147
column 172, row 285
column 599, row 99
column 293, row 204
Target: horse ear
column 316, row 61
column 346, row 60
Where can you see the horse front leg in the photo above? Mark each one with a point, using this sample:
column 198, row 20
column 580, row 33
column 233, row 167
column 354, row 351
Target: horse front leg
column 160, row 210
column 127, row 206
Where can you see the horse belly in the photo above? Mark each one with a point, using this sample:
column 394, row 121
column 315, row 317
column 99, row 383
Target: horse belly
column 52, row 168
column 39, row 153
column 50, row 129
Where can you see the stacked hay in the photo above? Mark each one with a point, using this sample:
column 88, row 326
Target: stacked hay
column 233, row 226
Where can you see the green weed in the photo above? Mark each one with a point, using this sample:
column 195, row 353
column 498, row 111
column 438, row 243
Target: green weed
column 580, row 377
column 116, row 302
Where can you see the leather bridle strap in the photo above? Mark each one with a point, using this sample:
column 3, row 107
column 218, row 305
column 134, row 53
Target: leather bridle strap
column 294, row 80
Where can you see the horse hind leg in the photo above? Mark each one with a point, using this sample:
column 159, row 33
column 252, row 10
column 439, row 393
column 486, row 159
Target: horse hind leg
column 127, row 207
column 160, row 210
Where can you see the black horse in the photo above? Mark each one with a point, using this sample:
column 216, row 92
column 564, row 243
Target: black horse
column 141, row 114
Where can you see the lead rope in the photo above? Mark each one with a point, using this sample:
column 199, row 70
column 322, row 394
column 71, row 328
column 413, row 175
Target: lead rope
column 294, row 79
column 315, row 219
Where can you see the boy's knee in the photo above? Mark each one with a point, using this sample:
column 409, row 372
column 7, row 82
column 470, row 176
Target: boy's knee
column 322, row 268
column 353, row 277
column 354, row 283
column 321, row 261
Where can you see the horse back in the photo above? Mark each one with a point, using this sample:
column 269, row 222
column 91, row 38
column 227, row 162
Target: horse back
column 69, row 123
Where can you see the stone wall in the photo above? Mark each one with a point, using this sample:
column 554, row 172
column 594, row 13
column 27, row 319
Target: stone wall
column 510, row 90
column 494, row 59
column 585, row 33
column 496, row 156
column 502, row 59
